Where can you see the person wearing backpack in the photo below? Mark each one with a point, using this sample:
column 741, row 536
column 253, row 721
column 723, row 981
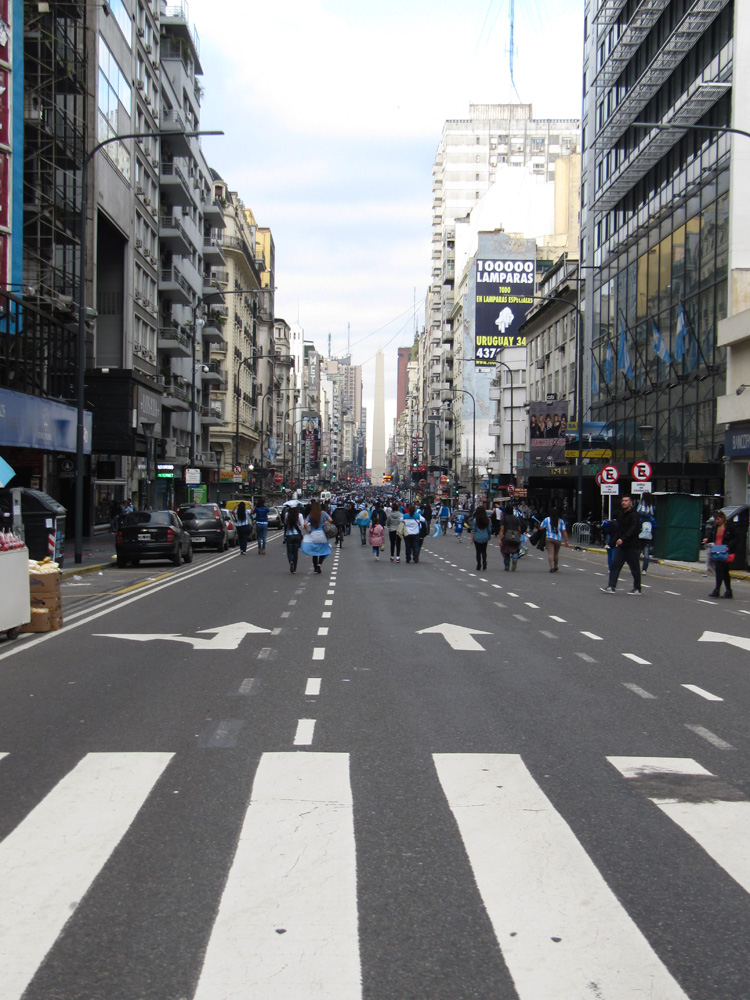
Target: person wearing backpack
column 510, row 538
column 480, row 536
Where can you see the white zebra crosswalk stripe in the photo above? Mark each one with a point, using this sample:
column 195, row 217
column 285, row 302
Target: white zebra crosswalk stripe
column 49, row 861
column 711, row 812
column 562, row 932
column 287, row 921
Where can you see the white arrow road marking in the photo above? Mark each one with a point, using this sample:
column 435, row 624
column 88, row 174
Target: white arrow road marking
column 227, row 636
column 733, row 640
column 457, row 636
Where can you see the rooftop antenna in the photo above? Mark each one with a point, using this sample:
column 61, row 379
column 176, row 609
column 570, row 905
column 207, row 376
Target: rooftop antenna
column 512, row 47
column 329, row 345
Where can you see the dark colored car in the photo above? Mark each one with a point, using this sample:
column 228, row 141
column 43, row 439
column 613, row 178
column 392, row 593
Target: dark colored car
column 152, row 534
column 205, row 525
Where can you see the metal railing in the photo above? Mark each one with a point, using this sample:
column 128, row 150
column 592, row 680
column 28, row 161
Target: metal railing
column 580, row 533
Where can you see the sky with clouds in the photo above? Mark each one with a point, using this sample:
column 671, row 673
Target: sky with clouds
column 332, row 112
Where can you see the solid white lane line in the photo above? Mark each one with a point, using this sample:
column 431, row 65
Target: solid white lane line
column 702, row 692
column 50, row 860
column 319, row 653
column 323, row 630
column 560, row 926
column 313, row 686
column 287, row 922
column 592, row 635
column 556, row 619
column 639, row 691
column 710, row 737
column 637, row 659
column 718, row 825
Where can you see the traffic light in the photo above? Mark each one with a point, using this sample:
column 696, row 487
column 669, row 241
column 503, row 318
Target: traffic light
column 325, row 463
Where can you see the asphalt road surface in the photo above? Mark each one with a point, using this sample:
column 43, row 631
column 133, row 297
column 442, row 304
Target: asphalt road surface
column 388, row 781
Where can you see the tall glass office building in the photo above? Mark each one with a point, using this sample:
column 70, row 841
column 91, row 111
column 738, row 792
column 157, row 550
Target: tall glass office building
column 656, row 220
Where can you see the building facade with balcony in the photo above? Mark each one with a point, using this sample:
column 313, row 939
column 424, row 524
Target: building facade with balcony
column 663, row 210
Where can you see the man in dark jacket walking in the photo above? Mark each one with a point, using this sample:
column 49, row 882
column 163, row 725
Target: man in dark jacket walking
column 627, row 548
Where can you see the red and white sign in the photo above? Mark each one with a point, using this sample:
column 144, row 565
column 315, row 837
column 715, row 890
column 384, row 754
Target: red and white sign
column 609, row 474
column 278, row 478
column 443, row 480
column 641, row 472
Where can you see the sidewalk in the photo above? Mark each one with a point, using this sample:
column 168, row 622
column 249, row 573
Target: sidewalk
column 98, row 553
column 693, row 567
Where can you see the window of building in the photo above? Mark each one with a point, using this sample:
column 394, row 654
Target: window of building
column 114, row 101
column 117, row 7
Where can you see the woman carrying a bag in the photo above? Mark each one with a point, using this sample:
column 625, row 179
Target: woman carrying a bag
column 510, row 538
column 722, row 555
column 315, row 543
column 243, row 527
column 480, row 536
column 293, row 528
column 394, row 524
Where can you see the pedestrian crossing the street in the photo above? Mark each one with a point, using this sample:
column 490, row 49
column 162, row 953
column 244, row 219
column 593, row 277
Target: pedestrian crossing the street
column 287, row 924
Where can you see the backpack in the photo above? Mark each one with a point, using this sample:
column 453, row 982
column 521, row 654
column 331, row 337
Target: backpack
column 646, row 531
column 481, row 535
column 512, row 536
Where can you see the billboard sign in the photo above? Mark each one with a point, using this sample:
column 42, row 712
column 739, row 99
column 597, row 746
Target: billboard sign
column 504, row 293
column 548, row 428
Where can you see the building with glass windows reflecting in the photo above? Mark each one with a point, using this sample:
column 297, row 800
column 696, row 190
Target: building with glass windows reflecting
column 656, row 230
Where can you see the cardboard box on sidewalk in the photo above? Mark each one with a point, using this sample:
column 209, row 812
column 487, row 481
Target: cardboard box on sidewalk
column 44, row 584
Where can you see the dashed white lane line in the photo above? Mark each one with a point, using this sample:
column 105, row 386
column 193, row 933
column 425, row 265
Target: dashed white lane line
column 285, row 614
column 323, row 630
column 592, row 635
column 530, row 605
column 292, row 602
column 702, row 692
column 327, row 604
column 549, row 635
column 330, row 592
column 499, row 605
column 586, row 658
column 521, row 618
column 313, row 686
column 304, row 735
column 712, row 738
column 673, row 593
column 511, row 594
column 325, row 614
column 319, row 653
column 639, row 691
column 555, row 618
column 275, row 631
column 702, row 601
column 637, row 659
column 497, row 586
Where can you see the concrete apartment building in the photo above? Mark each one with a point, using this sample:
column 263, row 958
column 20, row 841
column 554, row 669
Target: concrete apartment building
column 471, row 154
column 664, row 226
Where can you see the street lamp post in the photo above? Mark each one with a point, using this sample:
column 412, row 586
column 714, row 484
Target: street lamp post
column 81, row 338
column 218, row 455
column 148, row 433
column 465, row 392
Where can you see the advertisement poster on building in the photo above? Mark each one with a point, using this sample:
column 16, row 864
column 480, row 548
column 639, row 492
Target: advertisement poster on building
column 311, row 437
column 504, row 294
column 548, row 428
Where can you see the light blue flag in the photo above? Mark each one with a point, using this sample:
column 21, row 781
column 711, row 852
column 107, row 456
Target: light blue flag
column 609, row 363
column 594, row 379
column 680, row 342
column 660, row 347
column 6, row 473
column 623, row 354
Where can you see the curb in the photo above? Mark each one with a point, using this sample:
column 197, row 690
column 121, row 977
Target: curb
column 78, row 570
column 737, row 574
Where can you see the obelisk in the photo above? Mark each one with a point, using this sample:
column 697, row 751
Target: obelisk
column 378, row 424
